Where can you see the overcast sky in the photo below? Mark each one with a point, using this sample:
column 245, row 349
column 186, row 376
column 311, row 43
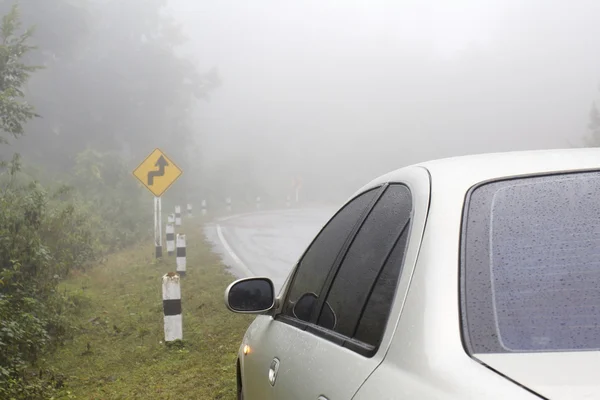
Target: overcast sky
column 390, row 82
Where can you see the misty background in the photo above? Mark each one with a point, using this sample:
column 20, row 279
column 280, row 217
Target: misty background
column 341, row 91
column 247, row 96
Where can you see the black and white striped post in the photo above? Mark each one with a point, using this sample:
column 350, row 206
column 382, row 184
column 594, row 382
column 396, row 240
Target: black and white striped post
column 189, row 210
column 258, row 202
column 204, row 208
column 177, row 215
column 170, row 231
column 181, row 255
column 228, row 204
column 171, row 292
column 171, row 219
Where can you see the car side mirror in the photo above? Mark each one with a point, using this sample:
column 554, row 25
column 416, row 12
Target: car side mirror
column 250, row 295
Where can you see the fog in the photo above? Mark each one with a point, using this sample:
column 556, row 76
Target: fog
column 248, row 97
column 342, row 91
column 338, row 92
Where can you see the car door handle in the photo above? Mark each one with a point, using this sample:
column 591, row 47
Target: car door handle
column 273, row 369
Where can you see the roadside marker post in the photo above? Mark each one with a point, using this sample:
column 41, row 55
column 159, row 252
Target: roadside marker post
column 170, row 239
column 189, row 210
column 171, row 292
column 258, row 203
column 228, row 203
column 157, row 173
column 288, row 202
column 181, row 255
column 177, row 215
column 204, row 208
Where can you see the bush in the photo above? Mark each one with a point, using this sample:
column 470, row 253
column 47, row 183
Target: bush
column 44, row 235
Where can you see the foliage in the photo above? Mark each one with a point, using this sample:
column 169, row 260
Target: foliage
column 45, row 234
column 29, row 271
column 14, row 74
column 111, row 191
column 113, row 81
column 96, row 100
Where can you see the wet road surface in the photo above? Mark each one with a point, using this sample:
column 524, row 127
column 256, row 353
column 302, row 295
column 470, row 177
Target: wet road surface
column 266, row 243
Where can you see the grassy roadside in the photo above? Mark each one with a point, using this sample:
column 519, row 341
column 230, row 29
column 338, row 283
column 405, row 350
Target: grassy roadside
column 118, row 350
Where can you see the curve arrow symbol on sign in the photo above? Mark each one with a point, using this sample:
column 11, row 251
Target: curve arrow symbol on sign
column 161, row 163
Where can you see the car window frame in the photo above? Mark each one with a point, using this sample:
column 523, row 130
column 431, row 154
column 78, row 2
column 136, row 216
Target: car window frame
column 311, row 326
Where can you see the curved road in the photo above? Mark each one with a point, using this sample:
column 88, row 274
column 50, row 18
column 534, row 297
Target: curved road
column 266, row 243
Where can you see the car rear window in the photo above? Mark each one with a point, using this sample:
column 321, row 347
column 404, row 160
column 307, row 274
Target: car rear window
column 530, row 276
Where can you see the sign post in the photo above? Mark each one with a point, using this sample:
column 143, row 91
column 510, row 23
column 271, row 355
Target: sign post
column 160, row 221
column 157, row 173
column 157, row 229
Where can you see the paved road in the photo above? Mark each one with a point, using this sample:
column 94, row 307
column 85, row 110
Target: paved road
column 266, row 243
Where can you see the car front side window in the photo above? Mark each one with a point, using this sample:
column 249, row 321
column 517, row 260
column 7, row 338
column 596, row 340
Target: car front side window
column 363, row 289
column 315, row 265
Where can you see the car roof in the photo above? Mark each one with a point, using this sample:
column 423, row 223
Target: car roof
column 466, row 171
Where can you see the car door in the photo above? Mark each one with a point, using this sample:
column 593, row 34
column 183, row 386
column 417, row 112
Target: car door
column 327, row 338
column 272, row 338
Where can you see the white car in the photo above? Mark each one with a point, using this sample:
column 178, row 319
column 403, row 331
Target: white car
column 472, row 277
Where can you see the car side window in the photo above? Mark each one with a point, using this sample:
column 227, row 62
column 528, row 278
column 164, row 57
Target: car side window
column 362, row 291
column 320, row 257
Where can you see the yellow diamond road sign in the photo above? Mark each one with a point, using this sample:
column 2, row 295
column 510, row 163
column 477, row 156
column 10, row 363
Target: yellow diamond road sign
column 157, row 172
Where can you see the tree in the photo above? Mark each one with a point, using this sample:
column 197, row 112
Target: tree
column 15, row 111
column 113, row 82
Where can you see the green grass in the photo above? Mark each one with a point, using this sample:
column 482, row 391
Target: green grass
column 118, row 351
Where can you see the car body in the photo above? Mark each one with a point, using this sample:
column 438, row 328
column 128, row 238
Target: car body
column 474, row 277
